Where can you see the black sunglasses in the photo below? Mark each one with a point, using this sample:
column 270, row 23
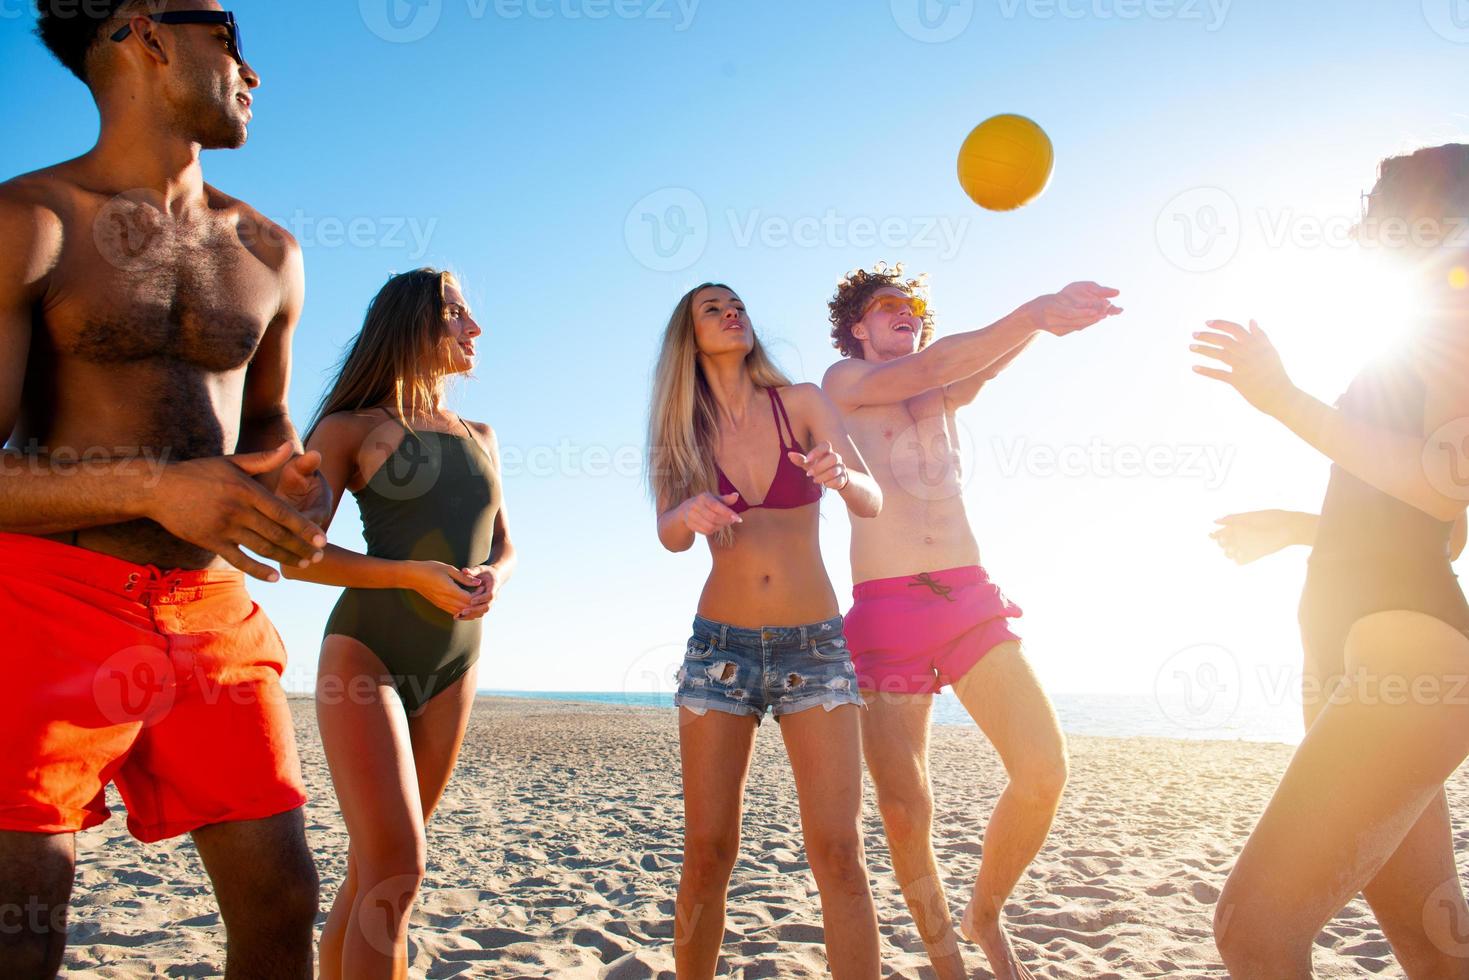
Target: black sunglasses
column 211, row 17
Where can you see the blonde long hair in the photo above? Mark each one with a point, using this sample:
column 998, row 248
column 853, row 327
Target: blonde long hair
column 683, row 422
column 398, row 356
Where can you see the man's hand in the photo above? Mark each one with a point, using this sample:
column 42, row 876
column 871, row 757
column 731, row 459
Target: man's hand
column 1078, row 306
column 217, row 504
column 304, row 487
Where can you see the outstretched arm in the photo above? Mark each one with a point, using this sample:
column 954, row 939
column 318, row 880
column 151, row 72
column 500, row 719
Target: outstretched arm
column 852, row 383
column 962, row 393
column 1421, row 474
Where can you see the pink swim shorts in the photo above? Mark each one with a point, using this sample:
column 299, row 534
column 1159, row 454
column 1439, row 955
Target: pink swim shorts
column 920, row 633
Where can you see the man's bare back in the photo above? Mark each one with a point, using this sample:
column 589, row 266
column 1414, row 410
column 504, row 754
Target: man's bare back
column 144, row 334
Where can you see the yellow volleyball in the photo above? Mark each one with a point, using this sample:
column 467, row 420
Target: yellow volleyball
column 1006, row 163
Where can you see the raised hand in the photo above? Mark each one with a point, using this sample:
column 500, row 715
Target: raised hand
column 1078, row 306
column 1255, row 368
column 217, row 504
column 824, row 465
column 709, row 514
column 1251, row 536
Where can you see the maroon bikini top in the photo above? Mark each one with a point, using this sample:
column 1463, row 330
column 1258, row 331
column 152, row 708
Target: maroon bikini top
column 791, row 487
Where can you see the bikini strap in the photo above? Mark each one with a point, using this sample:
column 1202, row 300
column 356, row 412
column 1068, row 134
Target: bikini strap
column 779, row 408
column 467, row 428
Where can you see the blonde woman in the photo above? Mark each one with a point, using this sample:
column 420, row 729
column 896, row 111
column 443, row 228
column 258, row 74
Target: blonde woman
column 728, row 460
column 397, row 674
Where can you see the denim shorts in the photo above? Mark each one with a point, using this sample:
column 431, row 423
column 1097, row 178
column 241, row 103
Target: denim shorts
column 783, row 669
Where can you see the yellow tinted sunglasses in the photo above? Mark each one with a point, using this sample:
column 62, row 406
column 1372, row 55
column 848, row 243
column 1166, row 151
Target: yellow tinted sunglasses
column 889, row 303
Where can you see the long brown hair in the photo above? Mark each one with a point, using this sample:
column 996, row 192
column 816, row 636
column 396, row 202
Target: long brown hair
column 683, row 421
column 398, row 357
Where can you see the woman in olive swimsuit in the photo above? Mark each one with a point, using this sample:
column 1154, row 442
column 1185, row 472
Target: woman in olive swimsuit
column 396, row 679
column 1383, row 619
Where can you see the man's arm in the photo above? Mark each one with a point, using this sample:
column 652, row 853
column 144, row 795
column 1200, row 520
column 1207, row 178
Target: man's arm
column 265, row 420
column 962, row 393
column 852, row 382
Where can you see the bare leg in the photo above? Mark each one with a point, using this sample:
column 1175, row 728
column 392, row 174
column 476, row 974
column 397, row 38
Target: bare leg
column 715, row 749
column 437, row 732
column 266, row 885
column 895, row 731
column 826, row 757
column 1358, row 787
column 1003, row 696
column 365, row 735
column 1418, row 900
column 1416, row 896
column 36, row 872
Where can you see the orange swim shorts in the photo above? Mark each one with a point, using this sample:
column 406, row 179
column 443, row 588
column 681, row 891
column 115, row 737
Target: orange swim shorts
column 164, row 683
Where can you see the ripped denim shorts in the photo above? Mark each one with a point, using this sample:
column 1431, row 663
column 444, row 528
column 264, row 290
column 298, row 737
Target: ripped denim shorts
column 783, row 669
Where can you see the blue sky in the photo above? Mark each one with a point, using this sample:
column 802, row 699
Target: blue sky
column 1207, row 156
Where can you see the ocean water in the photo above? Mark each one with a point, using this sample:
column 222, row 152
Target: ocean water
column 1105, row 715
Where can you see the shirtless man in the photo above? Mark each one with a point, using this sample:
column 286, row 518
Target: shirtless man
column 145, row 325
column 925, row 614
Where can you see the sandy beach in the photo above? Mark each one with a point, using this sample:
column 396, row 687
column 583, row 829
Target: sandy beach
column 555, row 853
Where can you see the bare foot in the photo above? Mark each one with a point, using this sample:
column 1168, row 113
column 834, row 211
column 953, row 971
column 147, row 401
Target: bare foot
column 990, row 936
